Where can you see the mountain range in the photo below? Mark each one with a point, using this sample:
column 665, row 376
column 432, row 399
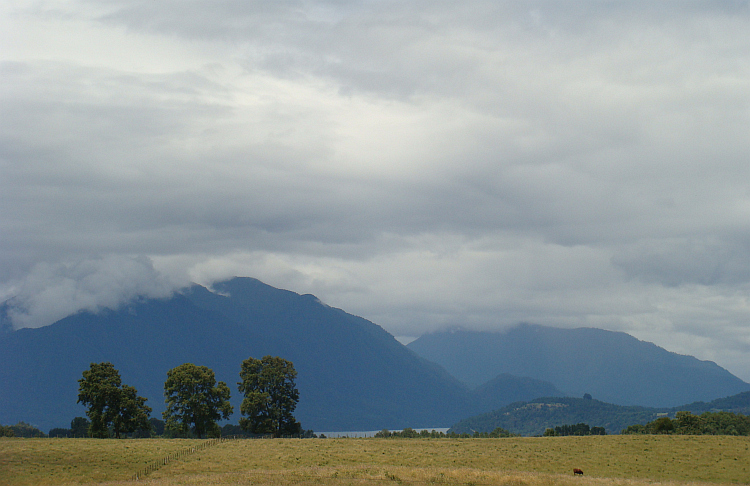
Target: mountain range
column 352, row 374
column 611, row 366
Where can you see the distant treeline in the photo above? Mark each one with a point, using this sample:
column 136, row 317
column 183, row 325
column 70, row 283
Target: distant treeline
column 79, row 429
column 410, row 433
column 577, row 429
column 21, row 429
column 685, row 423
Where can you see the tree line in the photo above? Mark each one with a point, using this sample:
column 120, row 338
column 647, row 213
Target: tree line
column 409, row 433
column 577, row 430
column 21, row 429
column 685, row 423
column 195, row 401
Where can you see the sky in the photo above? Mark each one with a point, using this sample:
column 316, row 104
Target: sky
column 427, row 165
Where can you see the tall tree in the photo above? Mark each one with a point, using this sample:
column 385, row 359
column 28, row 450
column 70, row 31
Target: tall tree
column 109, row 403
column 194, row 399
column 98, row 390
column 134, row 413
column 270, row 396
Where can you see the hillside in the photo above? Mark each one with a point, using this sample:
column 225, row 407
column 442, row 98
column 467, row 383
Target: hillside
column 535, row 416
column 511, row 389
column 739, row 403
column 532, row 418
column 353, row 375
column 612, row 366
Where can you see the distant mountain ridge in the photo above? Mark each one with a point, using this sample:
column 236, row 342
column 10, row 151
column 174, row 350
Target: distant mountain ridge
column 612, row 366
column 353, row 375
column 534, row 417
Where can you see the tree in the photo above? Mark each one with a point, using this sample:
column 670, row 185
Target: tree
column 270, row 396
column 688, row 424
column 22, row 429
column 59, row 432
column 98, row 390
column 598, row 431
column 110, row 403
column 662, row 425
column 133, row 414
column 157, row 426
column 635, row 429
column 79, row 427
column 194, row 399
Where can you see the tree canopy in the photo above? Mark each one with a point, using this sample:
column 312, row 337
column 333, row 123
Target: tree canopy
column 579, row 429
column 271, row 396
column 7, row 431
column 194, row 400
column 79, row 427
column 111, row 404
column 685, row 423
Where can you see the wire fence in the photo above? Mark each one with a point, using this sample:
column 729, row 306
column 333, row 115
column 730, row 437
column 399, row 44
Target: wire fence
column 153, row 466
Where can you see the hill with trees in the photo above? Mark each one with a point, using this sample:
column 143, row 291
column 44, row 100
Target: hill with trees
column 536, row 416
column 685, row 423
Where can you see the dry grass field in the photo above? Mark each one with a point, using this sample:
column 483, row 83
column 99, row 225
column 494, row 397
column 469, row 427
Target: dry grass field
column 607, row 460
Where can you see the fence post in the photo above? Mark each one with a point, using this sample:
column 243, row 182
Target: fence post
column 177, row 455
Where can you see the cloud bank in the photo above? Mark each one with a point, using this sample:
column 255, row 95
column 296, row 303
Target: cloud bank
column 422, row 164
column 51, row 292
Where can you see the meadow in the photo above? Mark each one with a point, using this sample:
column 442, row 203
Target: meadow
column 606, row 461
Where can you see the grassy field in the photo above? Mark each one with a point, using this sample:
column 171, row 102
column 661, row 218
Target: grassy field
column 60, row 461
column 607, row 460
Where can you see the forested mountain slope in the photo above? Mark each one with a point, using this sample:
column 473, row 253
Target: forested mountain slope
column 353, row 375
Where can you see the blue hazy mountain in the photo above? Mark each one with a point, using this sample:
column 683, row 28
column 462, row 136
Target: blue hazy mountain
column 611, row 366
column 353, row 375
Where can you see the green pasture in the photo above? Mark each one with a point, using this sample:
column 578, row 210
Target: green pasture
column 606, row 460
column 63, row 461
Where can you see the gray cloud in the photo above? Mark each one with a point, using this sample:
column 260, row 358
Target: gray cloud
column 50, row 292
column 424, row 165
column 707, row 261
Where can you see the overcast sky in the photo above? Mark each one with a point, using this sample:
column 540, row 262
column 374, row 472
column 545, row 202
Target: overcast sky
column 423, row 164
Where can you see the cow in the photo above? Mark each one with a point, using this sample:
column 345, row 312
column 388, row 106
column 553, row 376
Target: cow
column 577, row 472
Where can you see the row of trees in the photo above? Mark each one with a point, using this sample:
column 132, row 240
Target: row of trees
column 21, row 429
column 685, row 423
column 79, row 428
column 577, row 429
column 194, row 400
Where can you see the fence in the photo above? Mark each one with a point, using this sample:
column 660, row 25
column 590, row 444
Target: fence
column 149, row 468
